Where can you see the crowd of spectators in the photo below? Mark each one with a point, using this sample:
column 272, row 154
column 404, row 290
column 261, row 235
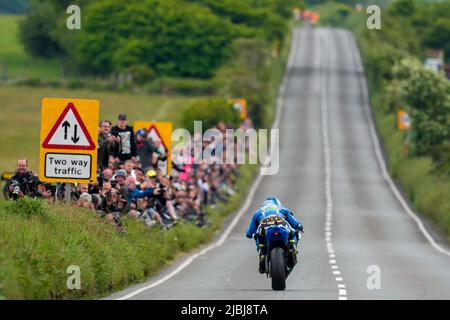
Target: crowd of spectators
column 131, row 183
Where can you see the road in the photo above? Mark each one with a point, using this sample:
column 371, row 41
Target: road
column 330, row 177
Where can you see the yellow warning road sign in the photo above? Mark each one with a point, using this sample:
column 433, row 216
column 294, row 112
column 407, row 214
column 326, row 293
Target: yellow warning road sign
column 403, row 120
column 161, row 134
column 69, row 139
column 241, row 105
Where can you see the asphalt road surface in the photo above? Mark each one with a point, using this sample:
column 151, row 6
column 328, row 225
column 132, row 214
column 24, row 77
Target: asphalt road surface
column 330, row 178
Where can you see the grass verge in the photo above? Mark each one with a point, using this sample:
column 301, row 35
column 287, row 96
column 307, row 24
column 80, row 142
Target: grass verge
column 39, row 242
column 427, row 191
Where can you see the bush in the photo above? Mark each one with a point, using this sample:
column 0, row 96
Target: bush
column 247, row 75
column 182, row 86
column 32, row 82
column 36, row 32
column 27, row 207
column 428, row 94
column 141, row 74
column 210, row 111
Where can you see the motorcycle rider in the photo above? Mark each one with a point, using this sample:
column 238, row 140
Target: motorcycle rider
column 273, row 206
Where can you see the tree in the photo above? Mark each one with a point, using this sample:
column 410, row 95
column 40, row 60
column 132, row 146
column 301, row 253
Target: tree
column 210, row 111
column 438, row 36
column 263, row 18
column 428, row 94
column 171, row 37
column 403, row 8
column 246, row 75
column 37, row 32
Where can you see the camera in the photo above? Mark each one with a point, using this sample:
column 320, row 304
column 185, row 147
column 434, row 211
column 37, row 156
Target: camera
column 16, row 193
column 113, row 183
column 51, row 188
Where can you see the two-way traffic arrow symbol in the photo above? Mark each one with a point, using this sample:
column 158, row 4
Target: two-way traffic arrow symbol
column 75, row 137
column 65, row 125
column 69, row 132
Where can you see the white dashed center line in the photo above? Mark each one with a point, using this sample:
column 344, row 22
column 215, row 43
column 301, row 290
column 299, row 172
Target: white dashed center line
column 342, row 292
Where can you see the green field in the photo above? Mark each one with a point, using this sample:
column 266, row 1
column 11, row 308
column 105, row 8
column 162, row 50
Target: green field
column 13, row 58
column 20, row 116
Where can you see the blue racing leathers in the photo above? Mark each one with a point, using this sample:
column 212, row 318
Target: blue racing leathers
column 268, row 210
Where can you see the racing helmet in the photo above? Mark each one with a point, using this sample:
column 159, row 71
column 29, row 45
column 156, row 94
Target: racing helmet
column 274, row 200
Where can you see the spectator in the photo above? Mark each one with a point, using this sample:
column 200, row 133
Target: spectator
column 23, row 183
column 107, row 175
column 159, row 153
column 80, row 188
column 119, row 179
column 149, row 191
column 106, row 144
column 129, row 169
column 124, row 190
column 85, row 201
column 42, row 192
column 140, row 176
column 146, row 149
column 126, row 148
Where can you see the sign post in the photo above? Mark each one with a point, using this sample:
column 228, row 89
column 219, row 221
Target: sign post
column 69, row 138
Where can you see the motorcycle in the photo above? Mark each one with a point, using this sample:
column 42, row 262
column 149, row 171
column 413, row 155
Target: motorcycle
column 280, row 259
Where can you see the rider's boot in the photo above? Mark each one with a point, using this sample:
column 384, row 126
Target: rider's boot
column 262, row 259
column 293, row 251
column 292, row 248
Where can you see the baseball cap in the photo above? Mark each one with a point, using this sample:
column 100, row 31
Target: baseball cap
column 141, row 132
column 122, row 116
column 151, row 173
column 121, row 173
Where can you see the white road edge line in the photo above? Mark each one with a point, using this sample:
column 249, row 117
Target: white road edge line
column 376, row 144
column 325, row 56
column 256, row 183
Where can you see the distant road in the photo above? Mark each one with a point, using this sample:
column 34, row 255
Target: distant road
column 329, row 177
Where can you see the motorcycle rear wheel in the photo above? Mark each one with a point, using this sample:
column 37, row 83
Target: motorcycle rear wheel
column 277, row 269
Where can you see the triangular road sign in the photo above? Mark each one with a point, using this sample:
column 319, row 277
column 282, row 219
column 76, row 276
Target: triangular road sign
column 69, row 132
column 154, row 134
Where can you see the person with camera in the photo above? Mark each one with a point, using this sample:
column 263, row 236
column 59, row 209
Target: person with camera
column 111, row 206
column 156, row 196
column 44, row 191
column 23, row 183
column 160, row 198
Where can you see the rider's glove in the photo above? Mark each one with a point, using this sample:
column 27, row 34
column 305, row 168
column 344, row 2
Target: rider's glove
column 300, row 227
